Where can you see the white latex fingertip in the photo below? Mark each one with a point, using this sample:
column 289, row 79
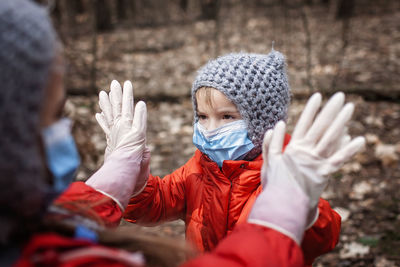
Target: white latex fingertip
column 266, row 142
column 338, row 98
column 278, row 136
column 128, row 84
column 140, row 117
column 105, row 106
column 116, row 98
column 345, row 141
column 347, row 112
column 334, row 103
column 114, row 84
column 127, row 100
column 307, row 116
column 357, row 145
column 325, row 118
column 103, row 124
column 331, row 135
column 345, row 153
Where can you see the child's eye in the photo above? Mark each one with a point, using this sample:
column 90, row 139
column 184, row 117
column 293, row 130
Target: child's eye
column 227, row 117
column 202, row 117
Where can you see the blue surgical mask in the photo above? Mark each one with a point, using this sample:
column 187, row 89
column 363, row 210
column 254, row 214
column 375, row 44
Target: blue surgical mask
column 61, row 153
column 228, row 142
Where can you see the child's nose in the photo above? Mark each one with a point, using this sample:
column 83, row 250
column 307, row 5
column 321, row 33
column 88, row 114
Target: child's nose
column 213, row 124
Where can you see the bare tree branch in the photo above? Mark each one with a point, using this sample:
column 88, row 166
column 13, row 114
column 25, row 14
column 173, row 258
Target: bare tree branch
column 307, row 32
column 93, row 72
column 345, row 11
column 217, row 31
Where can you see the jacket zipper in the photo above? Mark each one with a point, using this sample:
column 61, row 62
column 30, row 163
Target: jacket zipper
column 229, row 200
column 229, row 204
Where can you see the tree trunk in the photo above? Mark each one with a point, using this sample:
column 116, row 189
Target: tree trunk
column 78, row 6
column 103, row 15
column 209, row 9
column 345, row 9
column 183, row 4
column 121, row 10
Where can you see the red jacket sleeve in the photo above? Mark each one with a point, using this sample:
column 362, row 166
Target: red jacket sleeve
column 323, row 236
column 252, row 245
column 248, row 245
column 50, row 249
column 83, row 200
column 161, row 200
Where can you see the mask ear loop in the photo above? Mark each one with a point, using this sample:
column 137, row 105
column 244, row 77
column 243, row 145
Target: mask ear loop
column 200, row 127
column 226, row 128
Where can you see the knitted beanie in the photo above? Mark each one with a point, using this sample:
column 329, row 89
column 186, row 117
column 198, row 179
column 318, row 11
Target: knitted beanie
column 27, row 50
column 257, row 84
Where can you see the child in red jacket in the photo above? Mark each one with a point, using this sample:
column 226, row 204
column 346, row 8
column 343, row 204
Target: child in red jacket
column 236, row 99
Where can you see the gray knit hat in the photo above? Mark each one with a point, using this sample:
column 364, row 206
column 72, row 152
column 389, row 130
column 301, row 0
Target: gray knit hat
column 257, row 84
column 27, row 50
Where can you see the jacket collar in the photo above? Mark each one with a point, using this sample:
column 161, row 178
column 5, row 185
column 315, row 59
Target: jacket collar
column 229, row 167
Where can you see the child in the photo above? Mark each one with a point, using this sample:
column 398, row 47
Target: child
column 236, row 99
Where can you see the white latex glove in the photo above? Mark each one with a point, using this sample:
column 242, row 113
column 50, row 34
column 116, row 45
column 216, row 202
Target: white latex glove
column 126, row 138
column 319, row 146
column 117, row 114
column 111, row 110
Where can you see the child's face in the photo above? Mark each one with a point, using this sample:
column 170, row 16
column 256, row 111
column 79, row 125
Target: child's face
column 214, row 109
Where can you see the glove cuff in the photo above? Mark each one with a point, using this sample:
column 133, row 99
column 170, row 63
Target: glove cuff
column 113, row 198
column 137, row 192
column 117, row 177
column 282, row 209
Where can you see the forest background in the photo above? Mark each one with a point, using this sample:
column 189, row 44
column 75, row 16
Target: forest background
column 330, row 45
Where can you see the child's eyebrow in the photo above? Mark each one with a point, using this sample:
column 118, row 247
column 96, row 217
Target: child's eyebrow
column 227, row 110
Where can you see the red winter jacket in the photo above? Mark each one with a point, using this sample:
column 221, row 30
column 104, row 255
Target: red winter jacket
column 249, row 245
column 212, row 201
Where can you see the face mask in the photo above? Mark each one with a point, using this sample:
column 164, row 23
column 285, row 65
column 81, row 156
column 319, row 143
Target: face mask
column 61, row 153
column 228, row 142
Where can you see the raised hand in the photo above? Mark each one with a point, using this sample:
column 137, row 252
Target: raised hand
column 124, row 128
column 319, row 146
column 298, row 175
column 126, row 167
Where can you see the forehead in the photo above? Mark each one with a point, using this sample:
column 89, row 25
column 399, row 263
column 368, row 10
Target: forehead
column 212, row 98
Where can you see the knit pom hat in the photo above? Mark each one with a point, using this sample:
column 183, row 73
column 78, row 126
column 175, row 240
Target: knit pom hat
column 27, row 50
column 257, row 84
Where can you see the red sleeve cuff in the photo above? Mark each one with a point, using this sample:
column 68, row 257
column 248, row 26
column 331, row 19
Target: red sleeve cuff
column 85, row 201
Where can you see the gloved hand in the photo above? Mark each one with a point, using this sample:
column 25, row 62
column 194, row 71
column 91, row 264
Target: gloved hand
column 126, row 152
column 294, row 180
column 117, row 114
column 111, row 106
